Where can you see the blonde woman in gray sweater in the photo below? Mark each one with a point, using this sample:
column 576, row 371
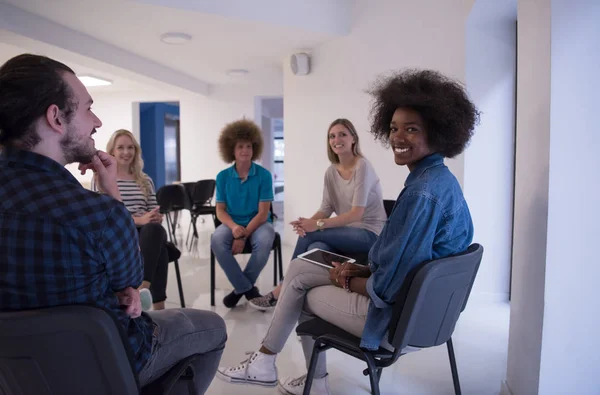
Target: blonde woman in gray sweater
column 352, row 191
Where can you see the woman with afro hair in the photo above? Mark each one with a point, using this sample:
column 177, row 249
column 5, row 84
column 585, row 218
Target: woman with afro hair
column 423, row 117
column 244, row 196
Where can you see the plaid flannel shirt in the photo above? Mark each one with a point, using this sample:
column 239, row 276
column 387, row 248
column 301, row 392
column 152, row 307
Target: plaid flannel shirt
column 61, row 244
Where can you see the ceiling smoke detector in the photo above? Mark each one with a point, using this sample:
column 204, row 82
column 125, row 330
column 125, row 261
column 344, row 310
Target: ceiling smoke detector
column 175, row 38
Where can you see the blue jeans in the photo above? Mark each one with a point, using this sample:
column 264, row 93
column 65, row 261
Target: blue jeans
column 341, row 240
column 261, row 240
column 179, row 333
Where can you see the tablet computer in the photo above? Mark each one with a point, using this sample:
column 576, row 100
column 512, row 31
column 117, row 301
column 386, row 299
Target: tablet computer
column 324, row 258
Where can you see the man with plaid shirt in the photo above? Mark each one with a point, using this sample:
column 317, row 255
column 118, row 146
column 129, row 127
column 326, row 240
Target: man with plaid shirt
column 61, row 244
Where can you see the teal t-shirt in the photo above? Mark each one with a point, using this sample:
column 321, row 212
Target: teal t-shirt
column 241, row 197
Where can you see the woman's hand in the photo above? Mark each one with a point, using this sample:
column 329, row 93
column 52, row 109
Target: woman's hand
column 354, row 270
column 304, row 225
column 150, row 216
column 335, row 275
column 158, row 218
column 298, row 229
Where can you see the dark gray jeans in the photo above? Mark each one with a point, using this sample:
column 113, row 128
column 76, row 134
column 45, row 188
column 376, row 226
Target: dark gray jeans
column 179, row 333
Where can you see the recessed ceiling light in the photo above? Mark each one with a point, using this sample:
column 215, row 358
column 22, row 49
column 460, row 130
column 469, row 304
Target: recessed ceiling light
column 88, row 80
column 175, row 38
column 236, row 72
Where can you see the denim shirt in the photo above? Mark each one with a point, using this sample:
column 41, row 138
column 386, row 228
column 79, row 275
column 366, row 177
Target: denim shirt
column 430, row 220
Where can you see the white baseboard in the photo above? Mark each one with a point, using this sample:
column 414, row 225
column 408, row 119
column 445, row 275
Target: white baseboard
column 505, row 389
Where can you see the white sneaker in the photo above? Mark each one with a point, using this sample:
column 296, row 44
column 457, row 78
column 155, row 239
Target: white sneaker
column 291, row 386
column 259, row 369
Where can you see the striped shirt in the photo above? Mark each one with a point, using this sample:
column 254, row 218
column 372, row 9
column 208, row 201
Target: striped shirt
column 133, row 196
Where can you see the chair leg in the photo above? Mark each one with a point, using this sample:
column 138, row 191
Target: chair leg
column 280, row 262
column 194, row 233
column 187, row 237
column 212, row 278
column 453, row 367
column 274, row 268
column 169, row 235
column 179, row 284
column 171, row 227
column 312, row 367
column 374, row 374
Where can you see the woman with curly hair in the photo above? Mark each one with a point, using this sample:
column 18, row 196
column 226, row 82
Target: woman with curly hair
column 244, row 196
column 351, row 190
column 424, row 117
column 139, row 197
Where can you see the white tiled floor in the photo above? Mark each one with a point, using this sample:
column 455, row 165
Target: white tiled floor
column 480, row 339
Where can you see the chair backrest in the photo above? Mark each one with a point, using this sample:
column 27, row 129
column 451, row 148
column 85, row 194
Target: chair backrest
column 388, row 205
column 203, row 192
column 172, row 198
column 189, row 189
column 64, row 350
column 432, row 298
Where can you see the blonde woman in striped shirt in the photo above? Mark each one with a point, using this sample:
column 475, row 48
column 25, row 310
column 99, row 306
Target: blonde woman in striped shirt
column 139, row 196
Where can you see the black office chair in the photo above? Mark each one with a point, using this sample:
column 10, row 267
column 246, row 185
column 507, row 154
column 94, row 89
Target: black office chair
column 388, row 206
column 362, row 258
column 424, row 315
column 172, row 198
column 200, row 197
column 277, row 260
column 74, row 350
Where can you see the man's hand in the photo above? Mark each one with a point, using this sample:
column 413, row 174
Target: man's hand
column 129, row 300
column 238, row 246
column 238, row 231
column 105, row 168
column 335, row 275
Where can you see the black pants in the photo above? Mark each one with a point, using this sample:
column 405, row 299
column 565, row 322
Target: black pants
column 153, row 245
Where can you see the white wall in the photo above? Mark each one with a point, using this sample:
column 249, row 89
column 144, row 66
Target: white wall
column 570, row 359
column 489, row 170
column 392, row 35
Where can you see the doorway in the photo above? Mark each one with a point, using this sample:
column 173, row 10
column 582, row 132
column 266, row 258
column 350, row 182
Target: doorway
column 268, row 114
column 160, row 141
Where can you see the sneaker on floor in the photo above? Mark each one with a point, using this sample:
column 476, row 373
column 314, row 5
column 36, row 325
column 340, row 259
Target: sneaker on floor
column 146, row 299
column 232, row 299
column 252, row 294
column 291, row 386
column 264, row 303
column 259, row 369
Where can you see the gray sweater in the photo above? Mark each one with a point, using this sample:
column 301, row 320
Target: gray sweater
column 362, row 190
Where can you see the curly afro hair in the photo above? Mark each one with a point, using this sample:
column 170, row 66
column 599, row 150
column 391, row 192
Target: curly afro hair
column 242, row 130
column 445, row 107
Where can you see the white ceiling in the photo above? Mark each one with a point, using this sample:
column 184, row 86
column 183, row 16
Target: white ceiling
column 120, row 83
column 222, row 39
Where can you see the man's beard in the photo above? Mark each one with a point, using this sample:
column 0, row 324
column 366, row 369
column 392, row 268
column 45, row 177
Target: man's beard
column 75, row 149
